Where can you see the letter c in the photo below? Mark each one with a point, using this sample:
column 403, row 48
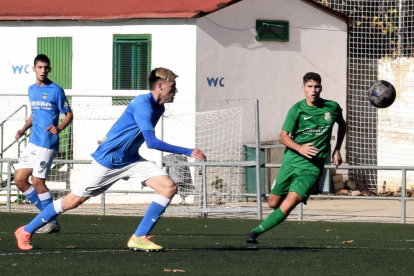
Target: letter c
column 220, row 82
column 25, row 69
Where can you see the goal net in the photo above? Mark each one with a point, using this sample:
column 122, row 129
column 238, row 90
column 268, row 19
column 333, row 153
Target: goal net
column 218, row 135
column 380, row 46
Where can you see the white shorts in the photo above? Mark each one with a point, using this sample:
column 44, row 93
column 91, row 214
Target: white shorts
column 98, row 178
column 36, row 158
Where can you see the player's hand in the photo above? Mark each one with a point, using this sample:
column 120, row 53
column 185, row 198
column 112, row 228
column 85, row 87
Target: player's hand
column 337, row 158
column 53, row 129
column 19, row 134
column 308, row 150
column 198, row 154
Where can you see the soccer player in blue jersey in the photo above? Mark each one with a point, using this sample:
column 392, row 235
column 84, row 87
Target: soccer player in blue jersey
column 117, row 157
column 47, row 101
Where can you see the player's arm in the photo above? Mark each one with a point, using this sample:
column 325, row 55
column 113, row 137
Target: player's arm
column 336, row 156
column 56, row 129
column 306, row 150
column 26, row 126
column 154, row 143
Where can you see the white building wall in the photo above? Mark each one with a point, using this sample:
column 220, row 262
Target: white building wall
column 395, row 133
column 227, row 49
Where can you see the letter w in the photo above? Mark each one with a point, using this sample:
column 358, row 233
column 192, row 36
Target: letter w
column 15, row 68
column 212, row 80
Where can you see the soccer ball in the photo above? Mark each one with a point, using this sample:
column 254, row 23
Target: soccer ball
column 381, row 94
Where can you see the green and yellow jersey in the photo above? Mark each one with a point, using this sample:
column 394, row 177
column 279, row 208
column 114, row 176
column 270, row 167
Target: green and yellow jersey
column 310, row 124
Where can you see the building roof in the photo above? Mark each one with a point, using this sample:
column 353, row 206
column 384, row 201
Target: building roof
column 106, row 9
column 13, row 10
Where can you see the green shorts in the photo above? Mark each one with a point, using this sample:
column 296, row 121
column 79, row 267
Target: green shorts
column 298, row 180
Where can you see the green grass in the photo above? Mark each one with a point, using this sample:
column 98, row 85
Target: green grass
column 96, row 245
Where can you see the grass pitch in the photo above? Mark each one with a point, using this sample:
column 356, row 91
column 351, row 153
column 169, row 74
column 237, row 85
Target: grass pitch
column 96, row 245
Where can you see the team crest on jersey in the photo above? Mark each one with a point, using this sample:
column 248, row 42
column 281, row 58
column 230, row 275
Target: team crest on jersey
column 327, row 116
column 65, row 105
column 44, row 95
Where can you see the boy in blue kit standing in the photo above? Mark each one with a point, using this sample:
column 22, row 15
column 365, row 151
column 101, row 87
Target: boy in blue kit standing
column 117, row 157
column 47, row 101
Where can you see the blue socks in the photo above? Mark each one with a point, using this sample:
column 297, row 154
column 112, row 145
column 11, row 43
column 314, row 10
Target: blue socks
column 41, row 201
column 154, row 211
column 48, row 214
column 45, row 200
column 31, row 194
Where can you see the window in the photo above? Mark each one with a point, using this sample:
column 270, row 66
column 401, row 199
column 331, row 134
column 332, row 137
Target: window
column 272, row 30
column 131, row 62
column 59, row 51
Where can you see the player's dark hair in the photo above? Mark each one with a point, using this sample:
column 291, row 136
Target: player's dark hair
column 160, row 73
column 43, row 58
column 312, row 76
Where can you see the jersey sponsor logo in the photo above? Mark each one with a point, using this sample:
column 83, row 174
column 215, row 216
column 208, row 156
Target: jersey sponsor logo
column 307, row 118
column 316, row 131
column 44, row 95
column 328, row 116
column 41, row 105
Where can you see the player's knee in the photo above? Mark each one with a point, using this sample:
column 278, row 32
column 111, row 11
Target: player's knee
column 20, row 180
column 170, row 189
column 39, row 185
column 271, row 203
column 173, row 188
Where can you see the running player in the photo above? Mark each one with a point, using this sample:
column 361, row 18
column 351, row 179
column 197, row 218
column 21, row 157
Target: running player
column 310, row 124
column 47, row 101
column 117, row 158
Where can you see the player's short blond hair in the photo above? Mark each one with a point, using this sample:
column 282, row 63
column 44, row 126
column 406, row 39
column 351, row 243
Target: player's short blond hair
column 160, row 73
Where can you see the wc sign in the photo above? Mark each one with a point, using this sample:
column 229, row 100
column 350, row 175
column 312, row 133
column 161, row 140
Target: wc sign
column 215, row 82
column 21, row 69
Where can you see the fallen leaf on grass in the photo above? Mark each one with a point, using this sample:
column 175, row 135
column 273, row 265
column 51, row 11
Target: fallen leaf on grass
column 173, row 270
column 347, row 242
column 328, row 230
column 70, row 246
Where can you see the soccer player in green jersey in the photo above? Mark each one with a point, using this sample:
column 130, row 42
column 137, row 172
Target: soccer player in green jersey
column 306, row 133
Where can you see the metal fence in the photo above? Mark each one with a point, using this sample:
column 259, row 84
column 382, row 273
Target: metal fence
column 202, row 208
column 380, row 46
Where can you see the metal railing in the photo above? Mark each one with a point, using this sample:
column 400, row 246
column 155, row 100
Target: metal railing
column 2, row 149
column 204, row 208
column 403, row 198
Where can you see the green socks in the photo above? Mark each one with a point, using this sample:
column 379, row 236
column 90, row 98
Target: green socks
column 272, row 220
